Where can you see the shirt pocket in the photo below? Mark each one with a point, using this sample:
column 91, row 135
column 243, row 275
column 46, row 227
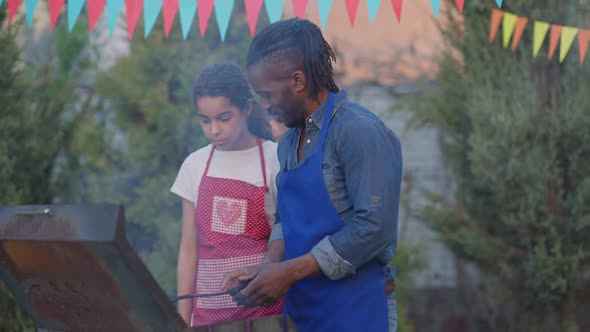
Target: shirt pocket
column 336, row 187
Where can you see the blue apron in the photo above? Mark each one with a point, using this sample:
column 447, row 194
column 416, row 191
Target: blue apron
column 356, row 303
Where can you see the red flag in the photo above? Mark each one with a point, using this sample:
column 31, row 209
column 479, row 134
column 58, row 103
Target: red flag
column 554, row 39
column 518, row 30
column 134, row 8
column 55, row 7
column 169, row 10
column 204, row 8
column 397, row 8
column 253, row 8
column 583, row 41
column 12, row 9
column 95, row 8
column 299, row 7
column 352, row 6
column 460, row 4
column 495, row 21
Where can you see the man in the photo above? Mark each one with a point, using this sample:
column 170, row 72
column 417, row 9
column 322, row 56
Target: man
column 338, row 190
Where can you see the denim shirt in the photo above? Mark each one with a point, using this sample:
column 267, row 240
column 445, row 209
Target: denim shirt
column 362, row 170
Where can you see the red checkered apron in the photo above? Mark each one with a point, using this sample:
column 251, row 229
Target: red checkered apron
column 233, row 232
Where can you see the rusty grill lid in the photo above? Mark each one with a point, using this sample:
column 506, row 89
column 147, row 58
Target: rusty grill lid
column 70, row 267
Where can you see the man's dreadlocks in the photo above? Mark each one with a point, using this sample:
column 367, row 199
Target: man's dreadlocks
column 226, row 80
column 297, row 38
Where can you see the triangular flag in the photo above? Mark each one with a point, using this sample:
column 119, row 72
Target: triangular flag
column 324, row 10
column 583, row 41
column 133, row 12
column 435, row 7
column 169, row 12
column 30, row 6
column 12, row 9
column 508, row 27
column 253, row 8
column 274, row 9
column 521, row 23
column 539, row 33
column 205, row 8
column 55, row 7
column 74, row 9
column 499, row 3
column 299, row 7
column 223, row 11
column 554, row 39
column 187, row 10
column 95, row 8
column 1, row 1
column 151, row 10
column 373, row 6
column 351, row 7
column 495, row 21
column 397, row 8
column 113, row 10
column 460, row 4
column 568, row 34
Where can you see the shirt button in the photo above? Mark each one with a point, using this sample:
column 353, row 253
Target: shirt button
column 308, row 141
column 309, row 120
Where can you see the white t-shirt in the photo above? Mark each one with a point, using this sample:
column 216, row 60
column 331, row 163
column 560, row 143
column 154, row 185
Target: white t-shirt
column 241, row 165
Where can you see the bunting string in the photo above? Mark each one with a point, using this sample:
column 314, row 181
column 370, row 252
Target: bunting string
column 513, row 27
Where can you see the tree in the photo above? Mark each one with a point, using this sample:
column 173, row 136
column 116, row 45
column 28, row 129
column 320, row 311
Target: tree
column 47, row 130
column 516, row 134
column 147, row 96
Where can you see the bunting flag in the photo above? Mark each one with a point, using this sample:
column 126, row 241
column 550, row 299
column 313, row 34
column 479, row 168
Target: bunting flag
column 223, row 10
column 299, row 7
column 351, row 8
column 568, row 34
column 583, row 41
column 12, row 9
column 435, row 7
column 554, row 39
column 74, row 9
column 520, row 25
column 55, row 7
column 151, row 10
column 30, row 6
column 397, row 8
column 133, row 12
column 253, row 8
column 514, row 26
column 499, row 3
column 508, row 27
column 113, row 10
column 539, row 34
column 495, row 21
column 324, row 10
column 95, row 8
column 460, row 4
column 373, row 7
column 205, row 8
column 1, row 2
column 169, row 10
column 274, row 9
column 187, row 9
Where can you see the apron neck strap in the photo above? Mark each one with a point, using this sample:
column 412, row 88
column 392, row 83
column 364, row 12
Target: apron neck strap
column 327, row 116
column 262, row 163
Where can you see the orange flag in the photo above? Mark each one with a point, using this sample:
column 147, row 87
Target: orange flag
column 518, row 30
column 554, row 36
column 583, row 41
column 495, row 21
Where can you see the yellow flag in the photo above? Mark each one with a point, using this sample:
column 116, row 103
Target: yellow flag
column 508, row 27
column 568, row 34
column 539, row 33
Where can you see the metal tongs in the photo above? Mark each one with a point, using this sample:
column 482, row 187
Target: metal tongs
column 232, row 291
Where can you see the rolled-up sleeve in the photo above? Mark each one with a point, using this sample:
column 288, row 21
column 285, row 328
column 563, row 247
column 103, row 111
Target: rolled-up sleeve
column 371, row 160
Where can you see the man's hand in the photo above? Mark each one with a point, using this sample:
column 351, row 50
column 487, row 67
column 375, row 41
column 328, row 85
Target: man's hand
column 246, row 273
column 273, row 280
column 270, row 284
